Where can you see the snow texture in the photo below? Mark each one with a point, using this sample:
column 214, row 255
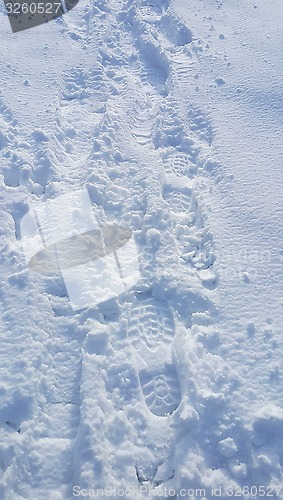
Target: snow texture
column 169, row 114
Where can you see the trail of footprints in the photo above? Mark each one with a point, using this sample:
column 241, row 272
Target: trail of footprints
column 151, row 326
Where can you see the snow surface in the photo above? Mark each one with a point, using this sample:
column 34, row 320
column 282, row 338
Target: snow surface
column 169, row 113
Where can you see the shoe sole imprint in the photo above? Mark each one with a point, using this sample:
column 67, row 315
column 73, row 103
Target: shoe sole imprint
column 151, row 331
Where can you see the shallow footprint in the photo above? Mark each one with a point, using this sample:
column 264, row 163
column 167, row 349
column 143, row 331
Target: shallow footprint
column 151, row 332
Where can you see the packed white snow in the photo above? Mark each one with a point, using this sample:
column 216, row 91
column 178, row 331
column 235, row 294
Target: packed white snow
column 168, row 114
